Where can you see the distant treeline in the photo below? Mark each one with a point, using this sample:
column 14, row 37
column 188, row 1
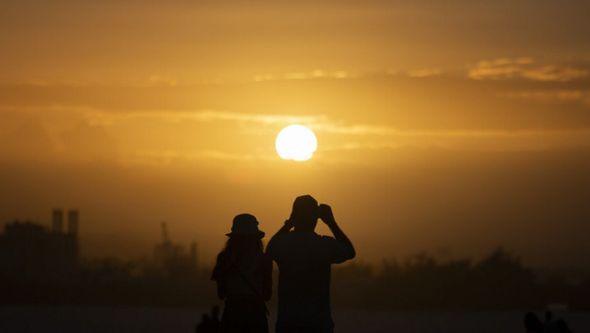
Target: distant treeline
column 498, row 281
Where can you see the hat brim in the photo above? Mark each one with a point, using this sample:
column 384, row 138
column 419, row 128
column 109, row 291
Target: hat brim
column 259, row 234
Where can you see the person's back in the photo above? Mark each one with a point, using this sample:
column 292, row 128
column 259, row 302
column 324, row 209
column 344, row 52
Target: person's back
column 304, row 259
column 532, row 324
column 244, row 278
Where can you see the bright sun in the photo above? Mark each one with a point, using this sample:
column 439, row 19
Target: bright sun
column 296, row 142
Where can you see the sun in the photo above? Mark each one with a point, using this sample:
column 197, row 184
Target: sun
column 296, row 143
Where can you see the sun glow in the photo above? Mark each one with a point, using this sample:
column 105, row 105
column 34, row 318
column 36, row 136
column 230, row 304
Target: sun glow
column 296, row 142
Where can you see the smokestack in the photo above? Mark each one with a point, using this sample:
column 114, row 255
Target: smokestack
column 193, row 254
column 58, row 220
column 73, row 217
column 165, row 239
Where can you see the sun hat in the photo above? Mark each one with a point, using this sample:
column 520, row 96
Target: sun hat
column 245, row 224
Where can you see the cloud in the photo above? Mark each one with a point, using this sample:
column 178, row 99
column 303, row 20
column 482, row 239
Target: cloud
column 159, row 80
column 319, row 123
column 171, row 156
column 109, row 118
column 315, row 74
column 27, row 139
column 87, row 142
column 524, row 68
column 96, row 135
column 424, row 72
column 345, row 74
column 494, row 69
column 555, row 73
column 549, row 96
column 336, row 128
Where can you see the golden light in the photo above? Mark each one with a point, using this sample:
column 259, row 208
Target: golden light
column 296, row 142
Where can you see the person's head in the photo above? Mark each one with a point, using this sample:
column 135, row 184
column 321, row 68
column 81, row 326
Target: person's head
column 548, row 316
column 305, row 213
column 245, row 237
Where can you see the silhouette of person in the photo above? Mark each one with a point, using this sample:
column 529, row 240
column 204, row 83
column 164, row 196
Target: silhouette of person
column 215, row 323
column 553, row 325
column 243, row 273
column 304, row 259
column 562, row 326
column 205, row 325
column 532, row 324
column 209, row 322
column 548, row 317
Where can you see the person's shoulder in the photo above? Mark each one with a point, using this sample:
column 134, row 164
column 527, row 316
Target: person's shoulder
column 220, row 266
column 323, row 241
column 222, row 257
column 276, row 244
column 326, row 239
column 328, row 242
column 280, row 238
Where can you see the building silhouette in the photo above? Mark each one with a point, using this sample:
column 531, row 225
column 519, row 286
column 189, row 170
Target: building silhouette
column 173, row 259
column 31, row 251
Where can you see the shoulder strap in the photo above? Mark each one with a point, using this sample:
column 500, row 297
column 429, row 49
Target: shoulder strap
column 251, row 286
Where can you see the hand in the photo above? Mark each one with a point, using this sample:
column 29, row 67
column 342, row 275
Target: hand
column 289, row 224
column 325, row 213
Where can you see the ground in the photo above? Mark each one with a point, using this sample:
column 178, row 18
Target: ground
column 147, row 320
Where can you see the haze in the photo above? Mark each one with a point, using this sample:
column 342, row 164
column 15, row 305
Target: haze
column 449, row 127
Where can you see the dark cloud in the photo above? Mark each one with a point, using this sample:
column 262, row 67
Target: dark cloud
column 110, row 40
column 507, row 95
column 89, row 142
column 25, row 138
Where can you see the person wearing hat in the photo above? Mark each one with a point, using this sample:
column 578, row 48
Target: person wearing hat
column 243, row 273
column 304, row 259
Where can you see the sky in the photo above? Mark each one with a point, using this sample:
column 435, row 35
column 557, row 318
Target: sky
column 451, row 127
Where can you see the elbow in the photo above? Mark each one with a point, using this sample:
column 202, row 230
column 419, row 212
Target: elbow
column 351, row 254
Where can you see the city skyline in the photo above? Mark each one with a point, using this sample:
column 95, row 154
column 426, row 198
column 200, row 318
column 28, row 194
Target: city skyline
column 449, row 127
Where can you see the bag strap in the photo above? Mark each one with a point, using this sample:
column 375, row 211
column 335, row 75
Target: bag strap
column 251, row 286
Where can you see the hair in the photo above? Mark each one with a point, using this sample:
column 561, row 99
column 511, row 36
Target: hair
column 304, row 213
column 239, row 246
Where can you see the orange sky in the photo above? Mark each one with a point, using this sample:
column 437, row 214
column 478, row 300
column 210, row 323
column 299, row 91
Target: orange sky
column 450, row 127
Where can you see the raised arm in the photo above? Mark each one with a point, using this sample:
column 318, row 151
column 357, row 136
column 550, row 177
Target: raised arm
column 327, row 216
column 284, row 230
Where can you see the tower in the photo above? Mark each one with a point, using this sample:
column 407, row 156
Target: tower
column 165, row 239
column 72, row 237
column 73, row 217
column 57, row 221
column 193, row 255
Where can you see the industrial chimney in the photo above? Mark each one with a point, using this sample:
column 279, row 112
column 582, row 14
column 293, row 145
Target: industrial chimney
column 58, row 220
column 73, row 217
column 193, row 255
